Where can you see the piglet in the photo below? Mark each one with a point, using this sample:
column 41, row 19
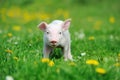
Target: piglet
column 56, row 35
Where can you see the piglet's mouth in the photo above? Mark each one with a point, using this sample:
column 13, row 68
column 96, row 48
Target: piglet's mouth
column 53, row 45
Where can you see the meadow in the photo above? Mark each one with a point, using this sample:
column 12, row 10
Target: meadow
column 95, row 40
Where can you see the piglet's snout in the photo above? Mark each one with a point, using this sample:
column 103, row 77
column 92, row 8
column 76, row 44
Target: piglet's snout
column 53, row 42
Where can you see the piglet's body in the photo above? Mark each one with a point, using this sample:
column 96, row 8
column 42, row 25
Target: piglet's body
column 56, row 35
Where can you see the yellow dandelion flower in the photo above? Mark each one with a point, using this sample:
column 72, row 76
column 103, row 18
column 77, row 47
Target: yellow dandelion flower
column 119, row 55
column 92, row 62
column 16, row 28
column 117, row 64
column 16, row 58
column 97, row 25
column 100, row 70
column 59, row 12
column 9, row 34
column 11, row 13
column 51, row 63
column 8, row 51
column 112, row 19
column 3, row 12
column 45, row 60
column 66, row 14
column 14, row 12
column 27, row 17
column 118, row 58
column 44, row 16
column 72, row 64
column 91, row 38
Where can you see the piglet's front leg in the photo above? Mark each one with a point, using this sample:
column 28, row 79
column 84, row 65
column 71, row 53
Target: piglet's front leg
column 46, row 51
column 67, row 53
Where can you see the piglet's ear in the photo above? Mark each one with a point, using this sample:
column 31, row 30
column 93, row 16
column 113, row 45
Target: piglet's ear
column 42, row 26
column 66, row 24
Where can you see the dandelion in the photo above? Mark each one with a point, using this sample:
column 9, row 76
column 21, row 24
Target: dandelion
column 72, row 64
column 51, row 63
column 48, row 61
column 119, row 55
column 9, row 78
column 118, row 58
column 16, row 58
column 14, row 12
column 45, row 60
column 63, row 13
column 66, row 14
column 16, row 28
column 59, row 12
column 3, row 12
column 27, row 17
column 92, row 62
column 97, row 25
column 9, row 34
column 117, row 64
column 112, row 20
column 91, row 38
column 11, row 13
column 100, row 70
column 44, row 16
column 9, row 51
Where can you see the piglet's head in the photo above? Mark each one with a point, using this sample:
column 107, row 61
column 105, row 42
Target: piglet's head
column 53, row 32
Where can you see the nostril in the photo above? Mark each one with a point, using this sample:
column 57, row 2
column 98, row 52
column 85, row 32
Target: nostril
column 53, row 42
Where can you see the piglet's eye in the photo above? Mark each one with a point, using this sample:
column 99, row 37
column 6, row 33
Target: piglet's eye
column 60, row 32
column 47, row 32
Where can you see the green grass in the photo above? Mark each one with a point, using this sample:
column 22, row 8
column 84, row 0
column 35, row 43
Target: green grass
column 21, row 48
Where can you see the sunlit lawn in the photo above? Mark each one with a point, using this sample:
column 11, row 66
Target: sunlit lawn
column 95, row 36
